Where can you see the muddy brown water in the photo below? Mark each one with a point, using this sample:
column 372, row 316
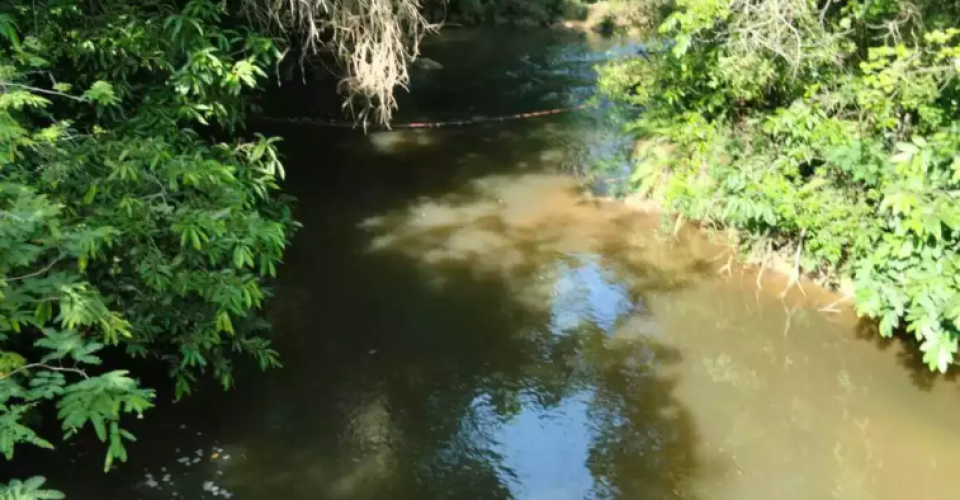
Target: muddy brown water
column 459, row 321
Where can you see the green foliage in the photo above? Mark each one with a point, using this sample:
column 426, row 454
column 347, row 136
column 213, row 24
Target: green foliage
column 821, row 129
column 123, row 226
column 28, row 490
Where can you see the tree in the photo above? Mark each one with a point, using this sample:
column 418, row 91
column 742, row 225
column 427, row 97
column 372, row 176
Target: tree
column 123, row 225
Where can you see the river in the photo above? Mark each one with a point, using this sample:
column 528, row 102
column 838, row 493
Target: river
column 458, row 320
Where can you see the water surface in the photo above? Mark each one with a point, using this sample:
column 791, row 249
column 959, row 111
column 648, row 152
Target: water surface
column 459, row 321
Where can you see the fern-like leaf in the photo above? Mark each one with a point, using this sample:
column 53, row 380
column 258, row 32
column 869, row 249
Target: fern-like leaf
column 31, row 489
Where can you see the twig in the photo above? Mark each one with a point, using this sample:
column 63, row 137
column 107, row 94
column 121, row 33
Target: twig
column 37, row 273
column 823, row 12
column 720, row 255
column 832, row 307
column 789, row 322
column 727, row 268
column 45, row 366
column 795, row 277
column 763, row 267
column 11, row 216
column 44, row 91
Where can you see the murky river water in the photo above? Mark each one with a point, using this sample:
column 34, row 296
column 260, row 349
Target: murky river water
column 458, row 321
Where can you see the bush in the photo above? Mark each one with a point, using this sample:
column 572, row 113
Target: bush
column 826, row 131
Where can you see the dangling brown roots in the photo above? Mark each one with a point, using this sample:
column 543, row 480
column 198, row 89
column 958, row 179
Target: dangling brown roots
column 374, row 40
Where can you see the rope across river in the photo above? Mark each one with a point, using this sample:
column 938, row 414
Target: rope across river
column 414, row 125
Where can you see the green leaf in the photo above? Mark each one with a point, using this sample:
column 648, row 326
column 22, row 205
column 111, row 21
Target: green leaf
column 89, row 196
column 906, row 152
column 8, row 29
column 938, row 352
column 102, row 93
column 31, row 489
column 224, row 324
column 681, row 46
column 906, row 248
column 238, row 256
column 899, row 203
column 888, row 322
column 97, row 422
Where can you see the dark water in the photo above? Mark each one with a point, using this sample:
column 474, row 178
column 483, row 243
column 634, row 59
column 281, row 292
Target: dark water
column 458, row 321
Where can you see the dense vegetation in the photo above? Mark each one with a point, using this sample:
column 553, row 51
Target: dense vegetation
column 137, row 220
column 823, row 130
column 124, row 227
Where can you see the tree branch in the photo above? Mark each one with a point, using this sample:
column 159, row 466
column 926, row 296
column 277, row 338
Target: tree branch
column 47, row 367
column 44, row 91
column 37, row 273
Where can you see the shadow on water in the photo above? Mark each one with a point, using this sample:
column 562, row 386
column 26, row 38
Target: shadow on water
column 432, row 356
column 446, row 321
column 908, row 355
column 424, row 380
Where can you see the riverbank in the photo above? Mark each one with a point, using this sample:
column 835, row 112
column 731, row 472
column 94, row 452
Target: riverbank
column 773, row 273
column 610, row 17
column 782, row 262
column 616, row 184
column 607, row 17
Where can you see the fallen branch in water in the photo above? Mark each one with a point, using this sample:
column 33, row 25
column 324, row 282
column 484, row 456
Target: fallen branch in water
column 832, row 307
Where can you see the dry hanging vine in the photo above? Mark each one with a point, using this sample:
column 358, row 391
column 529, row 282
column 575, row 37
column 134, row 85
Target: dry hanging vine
column 374, row 40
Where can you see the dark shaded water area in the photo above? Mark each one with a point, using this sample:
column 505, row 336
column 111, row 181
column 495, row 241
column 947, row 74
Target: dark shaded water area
column 459, row 321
